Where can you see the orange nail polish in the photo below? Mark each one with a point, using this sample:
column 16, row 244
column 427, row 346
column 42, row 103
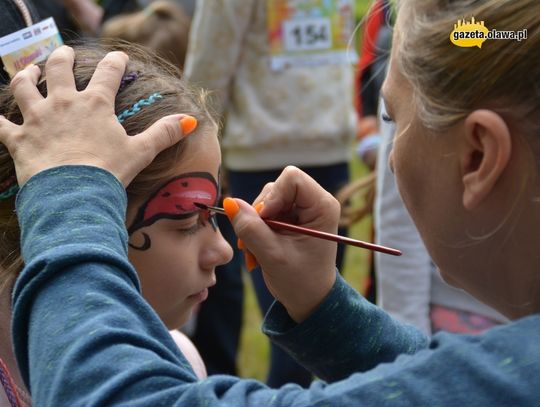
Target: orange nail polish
column 188, row 124
column 231, row 207
column 240, row 244
column 250, row 261
column 259, row 206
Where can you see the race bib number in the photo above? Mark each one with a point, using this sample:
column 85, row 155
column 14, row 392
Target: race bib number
column 310, row 32
column 29, row 46
column 307, row 35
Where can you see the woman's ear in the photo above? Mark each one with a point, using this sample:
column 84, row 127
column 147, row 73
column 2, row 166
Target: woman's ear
column 487, row 151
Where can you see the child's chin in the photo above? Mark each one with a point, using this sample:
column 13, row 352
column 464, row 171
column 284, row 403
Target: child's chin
column 179, row 320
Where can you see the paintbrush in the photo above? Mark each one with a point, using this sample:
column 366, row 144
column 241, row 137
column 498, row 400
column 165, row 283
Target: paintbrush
column 274, row 224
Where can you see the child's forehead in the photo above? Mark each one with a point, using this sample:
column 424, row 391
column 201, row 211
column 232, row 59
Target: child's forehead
column 196, row 164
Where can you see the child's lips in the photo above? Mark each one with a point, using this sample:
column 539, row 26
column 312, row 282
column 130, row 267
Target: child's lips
column 203, row 294
column 200, row 296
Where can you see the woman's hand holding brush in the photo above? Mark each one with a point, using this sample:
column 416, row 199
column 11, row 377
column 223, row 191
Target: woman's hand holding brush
column 299, row 270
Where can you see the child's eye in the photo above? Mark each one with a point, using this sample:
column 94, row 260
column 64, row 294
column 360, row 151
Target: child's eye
column 201, row 222
column 192, row 229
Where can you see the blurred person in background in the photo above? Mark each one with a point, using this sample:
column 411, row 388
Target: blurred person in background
column 258, row 72
column 76, row 18
column 162, row 26
column 374, row 53
column 187, row 5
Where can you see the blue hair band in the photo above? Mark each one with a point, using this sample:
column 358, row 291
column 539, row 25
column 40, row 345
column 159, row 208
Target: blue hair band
column 137, row 107
column 9, row 192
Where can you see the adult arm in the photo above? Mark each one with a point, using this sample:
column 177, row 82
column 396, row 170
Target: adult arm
column 85, row 336
column 345, row 335
column 79, row 319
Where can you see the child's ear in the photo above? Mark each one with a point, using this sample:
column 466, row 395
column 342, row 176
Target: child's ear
column 487, row 150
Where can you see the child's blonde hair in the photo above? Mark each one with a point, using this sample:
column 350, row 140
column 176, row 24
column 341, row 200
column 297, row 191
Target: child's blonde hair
column 162, row 26
column 146, row 74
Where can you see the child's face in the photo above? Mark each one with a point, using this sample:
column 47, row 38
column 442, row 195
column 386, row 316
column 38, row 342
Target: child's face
column 172, row 247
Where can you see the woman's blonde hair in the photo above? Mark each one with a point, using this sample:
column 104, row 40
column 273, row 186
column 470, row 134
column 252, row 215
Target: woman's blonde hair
column 146, row 74
column 163, row 27
column 449, row 81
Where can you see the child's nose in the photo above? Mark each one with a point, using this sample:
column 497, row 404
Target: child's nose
column 217, row 252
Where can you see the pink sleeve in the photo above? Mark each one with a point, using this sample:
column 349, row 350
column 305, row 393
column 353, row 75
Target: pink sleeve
column 190, row 352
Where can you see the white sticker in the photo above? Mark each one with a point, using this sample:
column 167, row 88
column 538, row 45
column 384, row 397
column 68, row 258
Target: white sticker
column 310, row 33
column 307, row 35
column 29, row 46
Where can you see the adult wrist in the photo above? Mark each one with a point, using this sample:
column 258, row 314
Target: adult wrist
column 299, row 311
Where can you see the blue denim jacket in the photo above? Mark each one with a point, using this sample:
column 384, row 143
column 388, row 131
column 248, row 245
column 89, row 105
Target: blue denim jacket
column 83, row 335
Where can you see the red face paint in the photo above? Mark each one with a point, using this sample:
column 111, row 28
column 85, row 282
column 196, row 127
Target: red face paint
column 175, row 200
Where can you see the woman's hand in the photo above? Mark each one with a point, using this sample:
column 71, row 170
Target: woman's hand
column 298, row 270
column 69, row 127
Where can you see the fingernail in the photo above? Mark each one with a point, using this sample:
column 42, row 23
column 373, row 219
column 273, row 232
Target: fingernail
column 231, row 207
column 188, row 124
column 259, row 206
column 250, row 261
column 240, row 244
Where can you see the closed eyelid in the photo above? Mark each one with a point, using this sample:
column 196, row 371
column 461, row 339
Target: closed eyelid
column 179, row 223
column 174, row 199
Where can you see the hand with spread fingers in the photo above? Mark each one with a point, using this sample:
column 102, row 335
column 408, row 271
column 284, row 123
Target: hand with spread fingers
column 298, row 270
column 70, row 127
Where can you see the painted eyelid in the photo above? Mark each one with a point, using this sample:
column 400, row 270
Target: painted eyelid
column 201, row 219
column 186, row 223
column 191, row 229
column 159, row 206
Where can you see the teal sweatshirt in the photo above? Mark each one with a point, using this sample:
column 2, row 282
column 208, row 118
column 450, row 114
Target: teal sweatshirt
column 83, row 335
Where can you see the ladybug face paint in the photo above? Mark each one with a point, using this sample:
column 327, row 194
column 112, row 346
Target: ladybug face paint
column 175, row 200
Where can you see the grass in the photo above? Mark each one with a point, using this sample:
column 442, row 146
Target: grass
column 254, row 345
